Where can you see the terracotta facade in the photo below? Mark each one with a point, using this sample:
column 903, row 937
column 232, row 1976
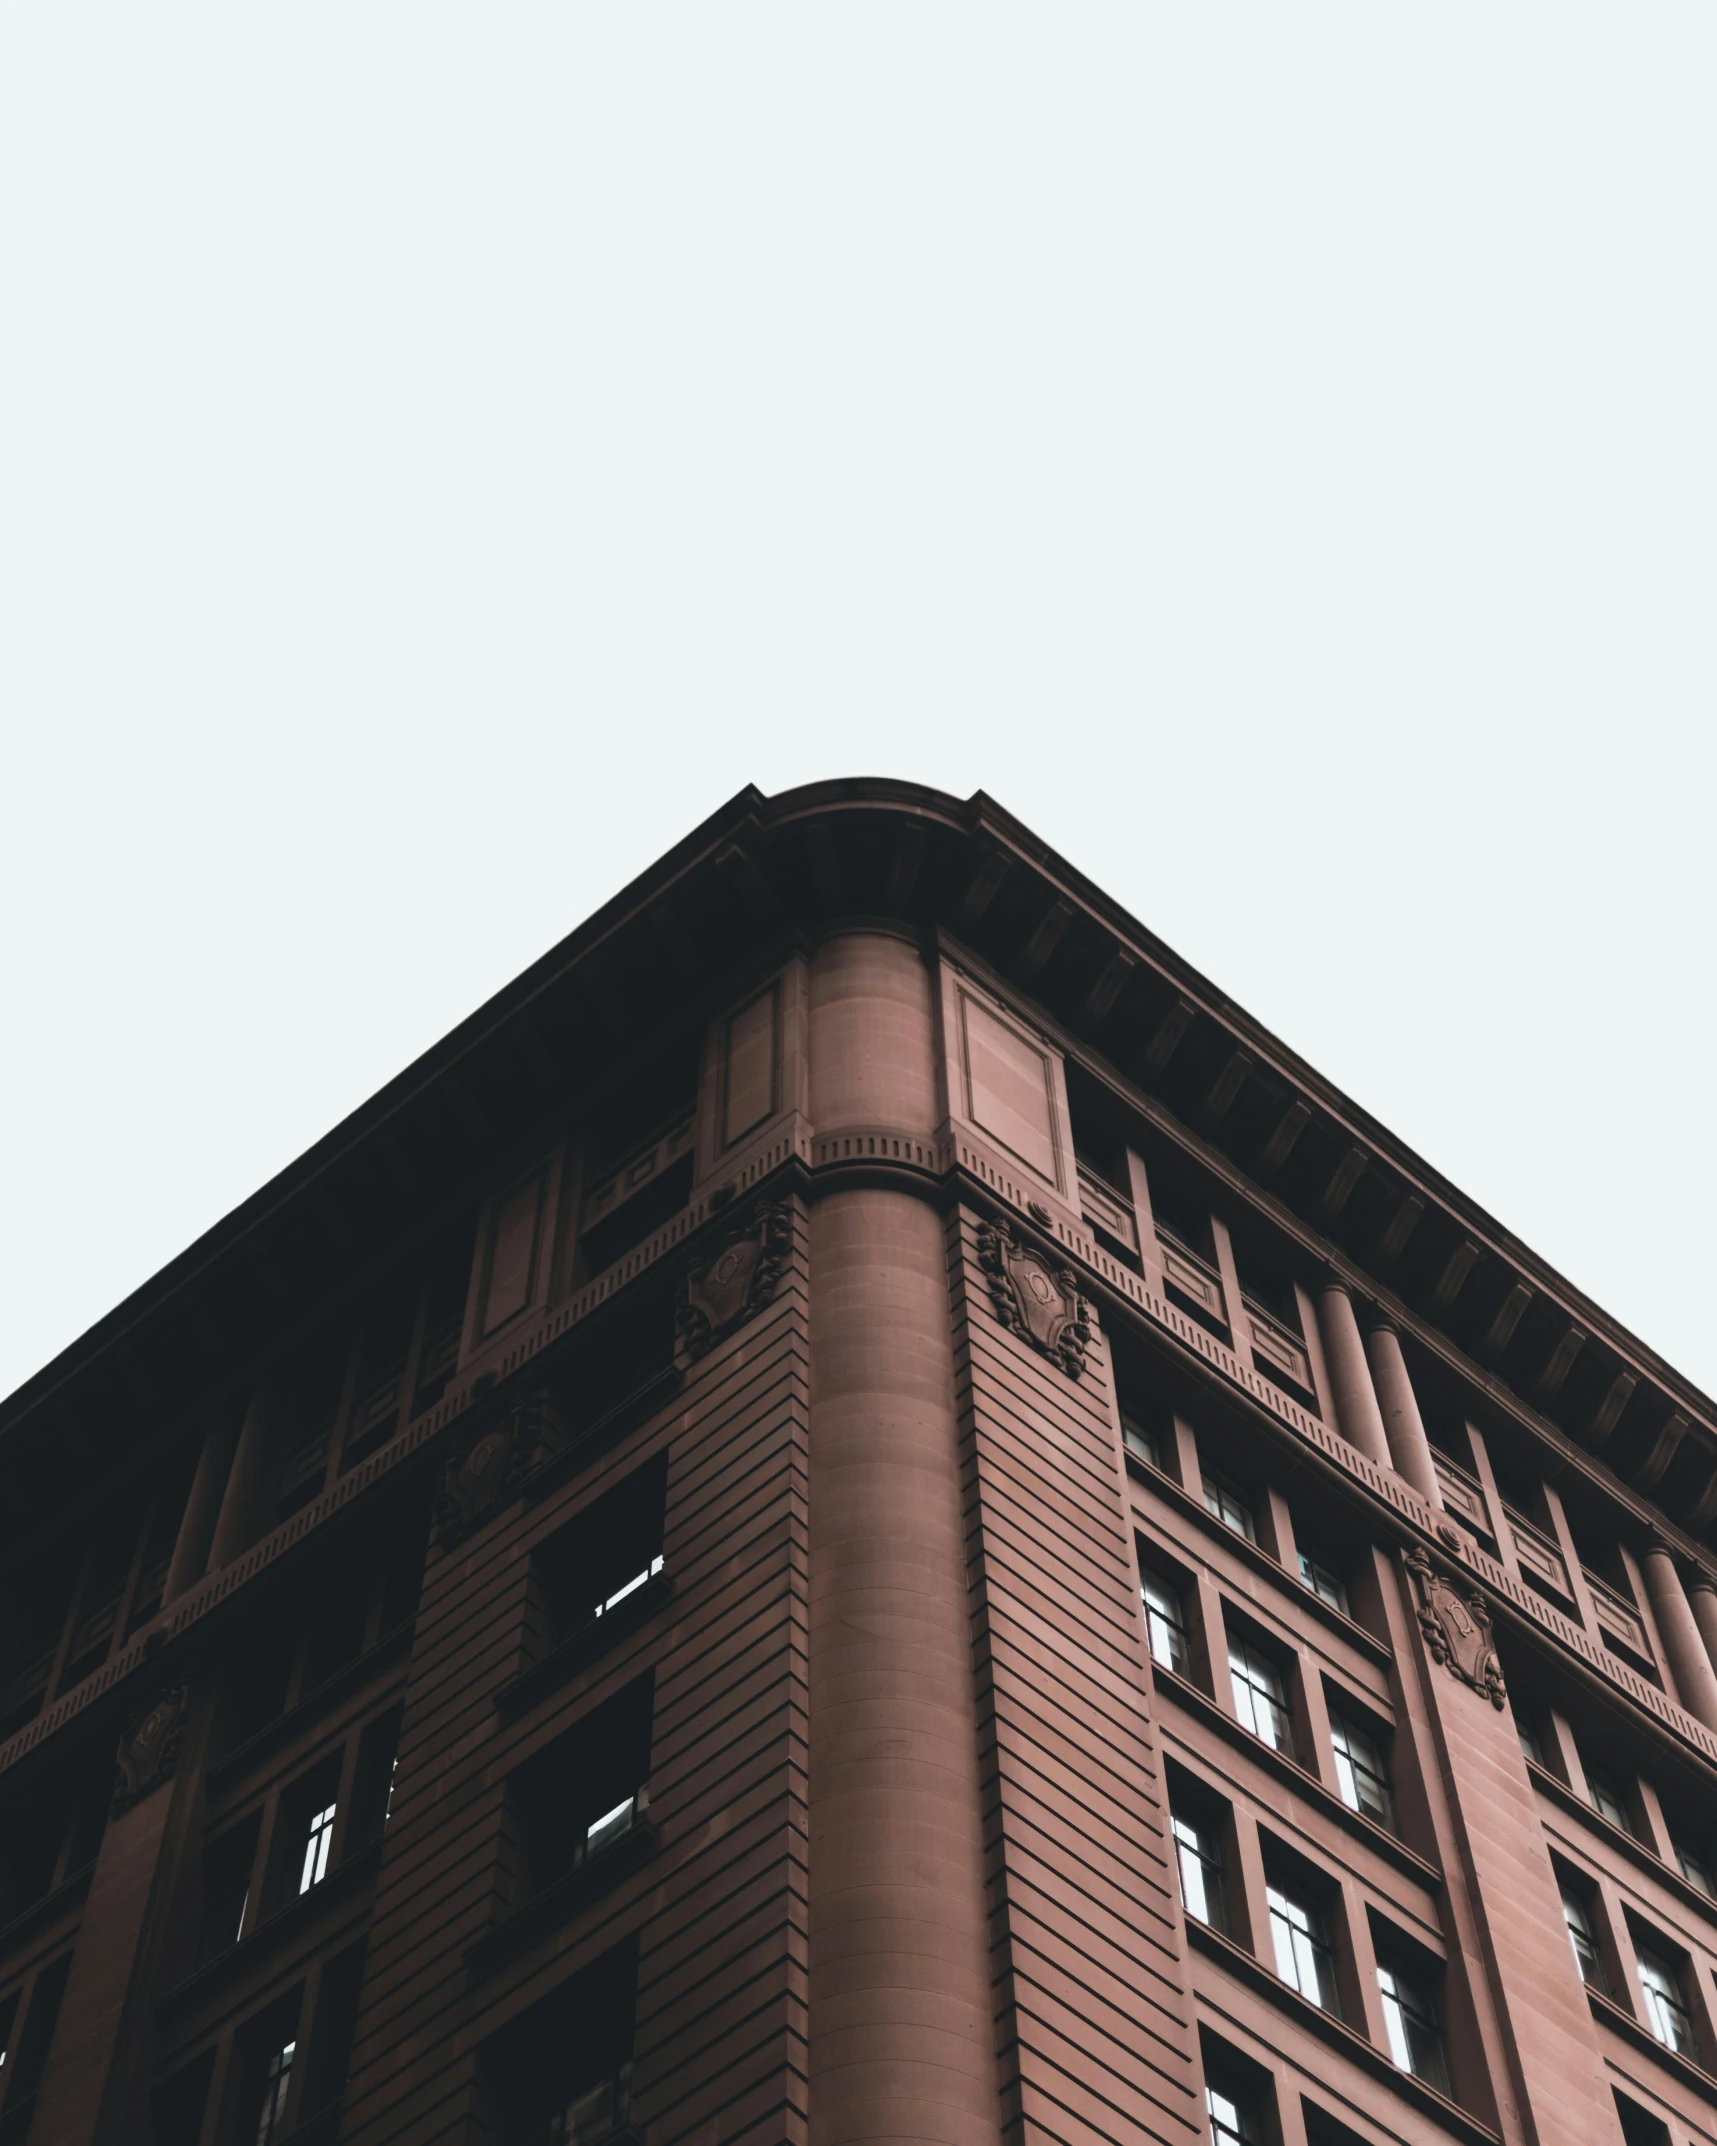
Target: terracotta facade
column 860, row 1512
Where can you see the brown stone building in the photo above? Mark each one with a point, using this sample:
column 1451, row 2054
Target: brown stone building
column 859, row 1512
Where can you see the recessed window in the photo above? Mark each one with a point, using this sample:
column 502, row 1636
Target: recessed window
column 1411, row 2023
column 276, row 2082
column 1224, row 1498
column 1141, row 1437
column 1531, row 1747
column 1305, row 1958
column 1164, row 1625
column 1198, row 1858
column 317, row 1843
column 1234, row 2116
column 1580, row 1935
column 1260, row 1703
column 575, row 1801
column 1359, row 1771
column 1696, row 1869
column 1606, row 1794
column 1318, row 1572
column 1665, row 2002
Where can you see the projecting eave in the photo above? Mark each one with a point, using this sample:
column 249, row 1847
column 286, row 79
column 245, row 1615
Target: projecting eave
column 762, row 871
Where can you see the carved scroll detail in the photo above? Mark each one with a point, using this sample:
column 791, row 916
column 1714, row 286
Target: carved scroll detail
column 1457, row 1628
column 1035, row 1297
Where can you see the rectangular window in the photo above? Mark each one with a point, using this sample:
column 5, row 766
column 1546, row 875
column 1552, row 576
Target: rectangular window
column 1141, row 1437
column 1223, row 1497
column 604, row 1558
column 1696, row 1869
column 1410, row 2021
column 1586, row 1955
column 1318, row 1572
column 1606, row 1795
column 1305, row 1958
column 1359, row 1771
column 1164, row 1625
column 1530, row 1747
column 1198, row 1858
column 1259, row 1702
column 577, row 1800
column 276, row 2083
column 1665, row 2004
column 1233, row 2112
column 318, row 1841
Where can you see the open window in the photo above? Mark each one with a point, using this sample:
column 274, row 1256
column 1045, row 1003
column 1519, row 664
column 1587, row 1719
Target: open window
column 580, row 1801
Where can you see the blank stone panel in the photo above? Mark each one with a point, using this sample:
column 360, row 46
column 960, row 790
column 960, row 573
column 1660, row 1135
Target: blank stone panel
column 749, row 1089
column 1009, row 1089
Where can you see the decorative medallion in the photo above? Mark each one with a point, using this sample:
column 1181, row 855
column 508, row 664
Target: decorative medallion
column 1035, row 1296
column 149, row 1749
column 1457, row 1628
column 491, row 1459
column 734, row 1282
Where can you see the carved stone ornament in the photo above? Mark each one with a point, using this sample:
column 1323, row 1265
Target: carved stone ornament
column 491, row 1459
column 1457, row 1628
column 149, row 1749
column 734, row 1282
column 1036, row 1297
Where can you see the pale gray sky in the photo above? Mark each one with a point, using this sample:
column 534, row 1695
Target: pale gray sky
column 445, row 452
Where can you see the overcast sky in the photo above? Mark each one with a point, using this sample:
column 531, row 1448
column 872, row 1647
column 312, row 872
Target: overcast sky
column 446, row 452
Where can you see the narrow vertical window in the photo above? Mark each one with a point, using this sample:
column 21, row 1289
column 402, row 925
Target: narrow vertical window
column 1586, row 1956
column 1360, row 1772
column 1259, row 1701
column 1164, row 1625
column 1198, row 1859
column 1607, row 1801
column 1665, row 2004
column 1696, row 1869
column 1530, row 1746
column 1411, row 2023
column 316, row 1846
column 276, row 2079
column 1305, row 1958
column 1140, row 1438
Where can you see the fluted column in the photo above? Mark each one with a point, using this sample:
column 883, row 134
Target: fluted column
column 1358, row 1417
column 249, row 1482
column 202, row 1508
column 1403, row 1425
column 900, row 2027
column 1689, row 1663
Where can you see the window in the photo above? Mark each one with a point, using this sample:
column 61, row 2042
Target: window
column 1164, row 1626
column 1305, row 1958
column 317, row 1843
column 1696, row 1870
column 576, row 1800
column 560, row 2074
column 1198, row 1857
column 1410, row 2021
column 1606, row 1795
column 226, row 1887
column 276, row 2081
column 603, row 1560
column 1140, row 1437
column 1222, row 1497
column 1530, row 1746
column 1317, row 1571
column 1234, row 2119
column 1665, row 2005
column 1586, row 1956
column 1359, row 1771
column 1259, row 1702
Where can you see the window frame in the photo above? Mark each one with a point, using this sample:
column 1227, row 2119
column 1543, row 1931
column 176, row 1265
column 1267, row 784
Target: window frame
column 1318, row 1946
column 1243, row 1655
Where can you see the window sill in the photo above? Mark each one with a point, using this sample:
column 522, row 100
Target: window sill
column 596, row 1639
column 349, row 1878
column 1203, row 1708
column 1241, row 1964
column 1608, row 2013
column 570, row 1897
column 288, row 1725
column 1257, row 1557
column 41, row 1914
